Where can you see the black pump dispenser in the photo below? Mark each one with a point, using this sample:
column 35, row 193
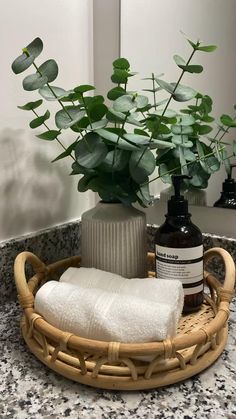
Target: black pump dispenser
column 228, row 194
column 177, row 204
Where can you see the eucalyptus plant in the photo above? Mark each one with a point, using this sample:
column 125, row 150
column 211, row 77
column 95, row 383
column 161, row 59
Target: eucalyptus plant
column 112, row 146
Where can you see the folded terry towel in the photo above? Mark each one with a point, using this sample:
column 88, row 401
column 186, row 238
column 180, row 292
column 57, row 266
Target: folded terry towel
column 154, row 289
column 102, row 315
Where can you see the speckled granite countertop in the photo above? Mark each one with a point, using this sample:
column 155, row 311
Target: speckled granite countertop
column 28, row 389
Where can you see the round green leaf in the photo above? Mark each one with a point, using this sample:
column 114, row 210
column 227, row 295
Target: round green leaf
column 119, row 76
column 183, row 93
column 115, row 160
column 164, row 85
column 113, row 138
column 31, row 105
column 204, row 129
column 121, row 63
column 141, row 167
column 141, row 101
column 179, row 60
column 116, row 92
column 91, row 151
column 34, row 82
column 98, row 124
column 186, row 120
column 228, row 121
column 53, row 93
column 97, row 111
column 21, row 63
column 207, row 48
column 49, row 69
column 192, row 68
column 35, row 123
column 35, row 47
column 83, row 184
column 124, row 103
column 199, row 176
column 25, row 60
column 67, row 117
column 49, row 135
column 83, row 88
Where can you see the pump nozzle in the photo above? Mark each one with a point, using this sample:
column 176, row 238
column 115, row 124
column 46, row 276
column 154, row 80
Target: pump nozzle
column 177, row 180
column 177, row 205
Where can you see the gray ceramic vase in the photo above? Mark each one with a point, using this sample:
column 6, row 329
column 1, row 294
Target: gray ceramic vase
column 114, row 239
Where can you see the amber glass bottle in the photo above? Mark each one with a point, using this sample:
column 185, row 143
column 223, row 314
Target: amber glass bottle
column 179, row 249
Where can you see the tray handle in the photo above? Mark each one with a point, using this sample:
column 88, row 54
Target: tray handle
column 25, row 296
column 227, row 289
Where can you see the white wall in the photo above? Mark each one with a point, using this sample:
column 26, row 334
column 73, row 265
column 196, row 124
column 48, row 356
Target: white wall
column 150, row 36
column 34, row 193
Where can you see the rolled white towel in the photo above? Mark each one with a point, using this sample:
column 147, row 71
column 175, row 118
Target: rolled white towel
column 158, row 290
column 102, row 315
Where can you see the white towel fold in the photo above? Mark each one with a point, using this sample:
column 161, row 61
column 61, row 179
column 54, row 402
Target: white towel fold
column 102, row 315
column 157, row 290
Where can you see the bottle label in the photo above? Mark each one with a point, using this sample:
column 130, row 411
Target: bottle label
column 186, row 265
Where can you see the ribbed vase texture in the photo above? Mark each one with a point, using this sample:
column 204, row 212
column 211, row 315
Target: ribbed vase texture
column 114, row 240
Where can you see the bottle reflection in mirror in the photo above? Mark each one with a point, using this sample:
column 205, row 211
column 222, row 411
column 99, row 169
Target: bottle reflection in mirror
column 228, row 194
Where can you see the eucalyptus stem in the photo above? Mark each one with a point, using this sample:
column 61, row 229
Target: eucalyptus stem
column 178, row 82
column 154, row 93
column 59, row 142
column 167, row 104
column 219, row 130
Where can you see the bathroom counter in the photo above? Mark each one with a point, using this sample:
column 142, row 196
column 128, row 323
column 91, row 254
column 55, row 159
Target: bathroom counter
column 28, row 389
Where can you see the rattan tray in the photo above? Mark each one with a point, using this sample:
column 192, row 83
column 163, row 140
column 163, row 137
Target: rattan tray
column 200, row 340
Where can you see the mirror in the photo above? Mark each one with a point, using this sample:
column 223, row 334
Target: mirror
column 150, row 36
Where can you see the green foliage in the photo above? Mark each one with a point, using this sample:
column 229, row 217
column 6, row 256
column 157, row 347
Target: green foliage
column 34, row 81
column 68, row 116
column 49, row 69
column 30, row 106
column 117, row 147
column 49, row 135
column 52, row 92
column 39, row 120
column 25, row 60
column 90, row 151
